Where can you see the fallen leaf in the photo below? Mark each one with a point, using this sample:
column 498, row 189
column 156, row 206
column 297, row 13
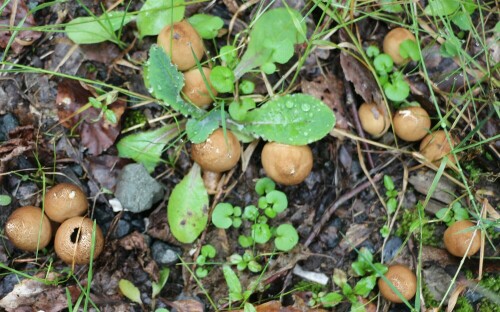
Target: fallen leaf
column 355, row 235
column 105, row 169
column 188, row 305
column 23, row 37
column 25, row 293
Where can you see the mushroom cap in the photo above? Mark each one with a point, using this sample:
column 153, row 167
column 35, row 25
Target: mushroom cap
column 217, row 153
column 64, row 201
column 287, row 164
column 23, row 228
column 177, row 40
column 195, row 89
column 435, row 146
column 73, row 240
column 372, row 119
column 412, row 123
column 457, row 239
column 393, row 40
column 403, row 279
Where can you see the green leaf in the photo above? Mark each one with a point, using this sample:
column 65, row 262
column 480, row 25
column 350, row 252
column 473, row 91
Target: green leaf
column 444, row 214
column 383, row 63
column 296, row 119
column 157, row 287
column 221, row 217
column 451, row 47
column 147, row 147
column 339, row 277
column 392, row 204
column 201, row 272
column 267, row 45
column 461, row 214
column 222, row 79
column 261, row 233
column 245, row 241
column 130, row 291
column 207, row 26
column 331, row 299
column 388, row 183
column 95, row 29
column 165, row 82
column 188, row 207
column 409, row 48
column 462, row 20
column 278, row 200
column 198, row 130
column 286, row 237
column 250, row 213
column 441, row 7
column 391, row 6
column 5, row 200
column 233, row 283
column 249, row 308
column 254, row 266
column 110, row 116
column 397, row 91
column 208, row 251
column 365, row 285
column 264, row 186
column 156, row 14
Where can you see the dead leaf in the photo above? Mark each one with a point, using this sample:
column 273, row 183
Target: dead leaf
column 356, row 234
column 105, row 169
column 158, row 226
column 96, row 132
column 25, row 293
column 134, row 241
column 21, row 140
column 188, row 305
column 23, row 37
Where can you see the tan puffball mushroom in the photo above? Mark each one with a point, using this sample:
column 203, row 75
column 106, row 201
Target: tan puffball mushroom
column 287, row 164
column 403, row 279
column 218, row 153
column 179, row 41
column 195, row 89
column 73, row 241
column 457, row 238
column 411, row 123
column 435, row 146
column 64, row 201
column 24, row 230
column 372, row 119
column 393, row 40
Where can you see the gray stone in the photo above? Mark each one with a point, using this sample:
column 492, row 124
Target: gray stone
column 7, row 123
column 136, row 190
column 437, row 281
column 391, row 247
column 165, row 254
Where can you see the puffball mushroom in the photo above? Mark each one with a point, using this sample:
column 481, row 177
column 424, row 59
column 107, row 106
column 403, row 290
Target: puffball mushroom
column 64, row 201
column 180, row 40
column 73, row 241
column 411, row 123
column 28, row 228
column 403, row 279
column 218, row 153
column 393, row 40
column 435, row 146
column 372, row 119
column 287, row 164
column 195, row 89
column 457, row 239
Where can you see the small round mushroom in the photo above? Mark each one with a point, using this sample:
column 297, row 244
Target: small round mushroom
column 73, row 241
column 287, row 164
column 403, row 279
column 435, row 146
column 393, row 40
column 179, row 41
column 195, row 89
column 28, row 228
column 64, row 201
column 372, row 119
column 411, row 123
column 218, row 153
column 457, row 239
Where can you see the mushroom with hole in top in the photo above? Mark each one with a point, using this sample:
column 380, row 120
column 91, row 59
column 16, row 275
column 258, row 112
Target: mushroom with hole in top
column 64, row 201
column 392, row 43
column 411, row 123
column 372, row 119
column 403, row 279
column 196, row 89
column 218, row 153
column 28, row 228
column 287, row 164
column 182, row 43
column 73, row 241
column 459, row 236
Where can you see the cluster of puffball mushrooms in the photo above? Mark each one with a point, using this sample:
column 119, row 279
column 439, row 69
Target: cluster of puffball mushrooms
column 410, row 124
column 30, row 229
column 285, row 164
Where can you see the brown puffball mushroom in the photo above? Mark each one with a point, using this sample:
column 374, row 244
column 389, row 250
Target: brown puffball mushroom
column 195, row 89
column 411, row 123
column 393, row 40
column 179, row 41
column 23, row 228
column 218, row 153
column 64, row 201
column 403, row 279
column 287, row 164
column 372, row 119
column 457, row 239
column 73, row 241
column 435, row 146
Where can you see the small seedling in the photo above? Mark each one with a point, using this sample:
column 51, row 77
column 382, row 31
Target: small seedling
column 324, row 299
column 391, row 203
column 248, row 260
column 450, row 216
column 108, row 113
column 132, row 292
column 225, row 216
column 5, row 200
column 207, row 252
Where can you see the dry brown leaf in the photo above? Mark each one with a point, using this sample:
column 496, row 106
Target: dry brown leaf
column 24, row 37
column 188, row 305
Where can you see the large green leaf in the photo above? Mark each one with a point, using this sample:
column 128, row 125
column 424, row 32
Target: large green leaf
column 146, row 147
column 199, row 130
column 188, row 207
column 295, row 119
column 165, row 82
column 156, row 14
column 441, row 7
column 95, row 29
